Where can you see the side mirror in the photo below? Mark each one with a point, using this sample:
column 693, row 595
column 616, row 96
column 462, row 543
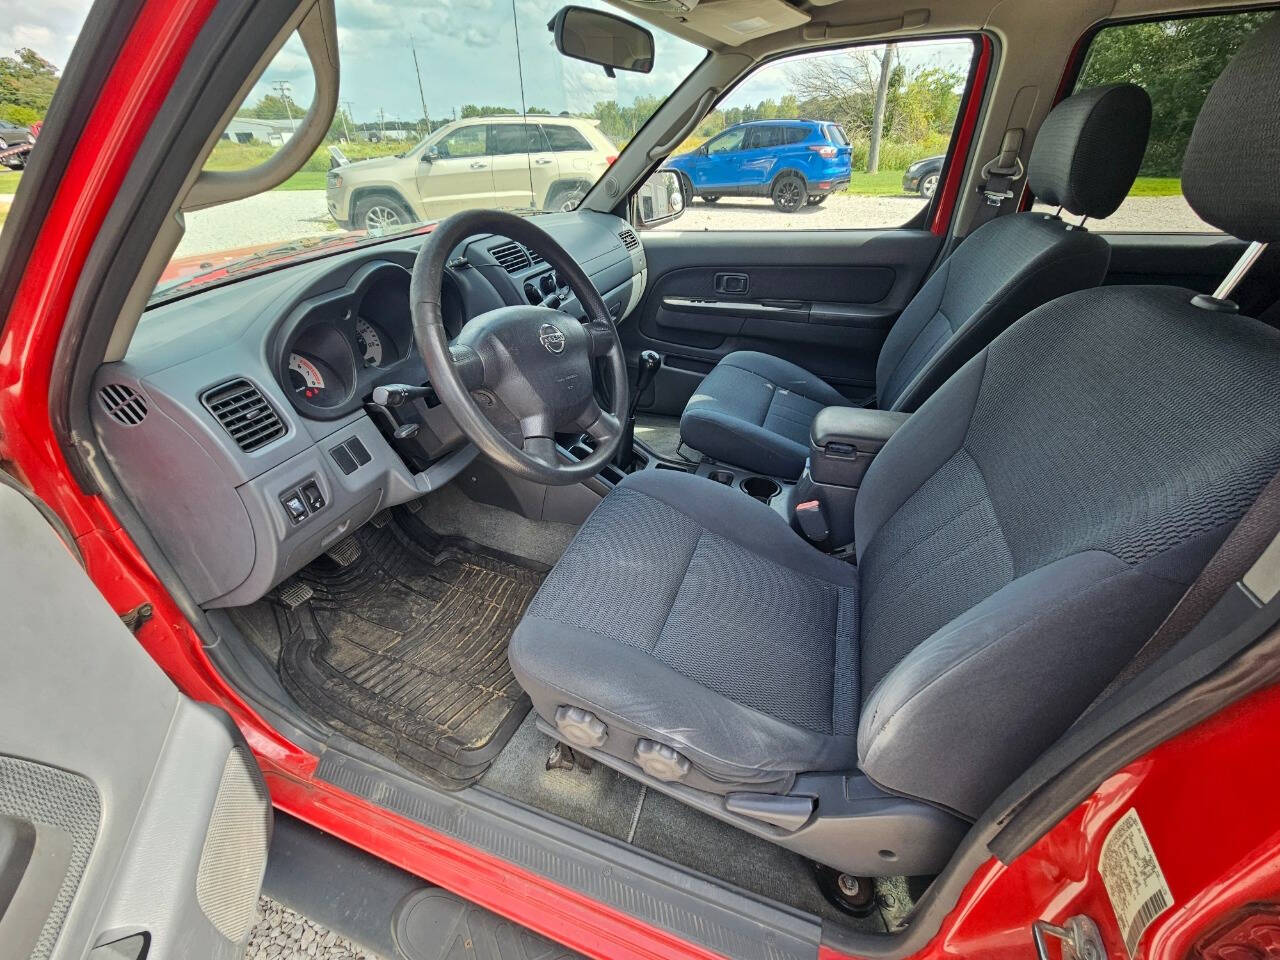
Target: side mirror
column 602, row 38
column 660, row 199
column 430, row 155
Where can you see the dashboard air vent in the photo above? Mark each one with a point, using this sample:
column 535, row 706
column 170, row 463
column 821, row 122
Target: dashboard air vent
column 511, row 256
column 123, row 404
column 244, row 413
column 629, row 239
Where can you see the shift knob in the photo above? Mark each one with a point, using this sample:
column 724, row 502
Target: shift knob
column 650, row 361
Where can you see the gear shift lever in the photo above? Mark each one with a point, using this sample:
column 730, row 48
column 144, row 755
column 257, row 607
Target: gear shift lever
column 650, row 361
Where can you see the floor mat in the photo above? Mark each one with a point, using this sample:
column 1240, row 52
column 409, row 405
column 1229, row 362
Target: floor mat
column 662, row 436
column 404, row 648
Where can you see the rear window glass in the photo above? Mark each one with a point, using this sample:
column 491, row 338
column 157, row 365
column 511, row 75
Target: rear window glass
column 565, row 138
column 1176, row 62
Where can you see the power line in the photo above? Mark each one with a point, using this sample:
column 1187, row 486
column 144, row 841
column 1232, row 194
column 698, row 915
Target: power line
column 282, row 88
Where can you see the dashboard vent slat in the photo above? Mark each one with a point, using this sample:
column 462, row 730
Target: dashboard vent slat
column 123, row 404
column 244, row 413
column 511, row 256
column 629, row 239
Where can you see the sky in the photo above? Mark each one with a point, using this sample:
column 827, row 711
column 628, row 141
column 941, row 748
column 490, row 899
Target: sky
column 467, row 53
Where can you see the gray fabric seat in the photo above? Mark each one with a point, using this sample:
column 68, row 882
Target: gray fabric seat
column 754, row 410
column 1017, row 541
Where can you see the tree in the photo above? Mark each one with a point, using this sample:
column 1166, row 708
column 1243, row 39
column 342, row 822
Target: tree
column 1176, row 62
column 274, row 107
column 27, row 82
column 877, row 113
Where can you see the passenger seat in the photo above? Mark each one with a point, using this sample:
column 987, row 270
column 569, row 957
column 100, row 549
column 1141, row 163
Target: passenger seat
column 755, row 410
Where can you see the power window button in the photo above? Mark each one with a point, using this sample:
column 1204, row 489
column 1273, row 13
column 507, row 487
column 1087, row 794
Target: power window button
column 311, row 493
column 294, row 507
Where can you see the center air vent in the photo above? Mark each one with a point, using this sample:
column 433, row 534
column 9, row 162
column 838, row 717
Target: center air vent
column 244, row 413
column 123, row 404
column 629, row 239
column 511, row 257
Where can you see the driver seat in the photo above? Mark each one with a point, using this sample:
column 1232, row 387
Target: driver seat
column 1017, row 540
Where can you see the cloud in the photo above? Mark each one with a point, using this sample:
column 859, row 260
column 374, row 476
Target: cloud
column 49, row 27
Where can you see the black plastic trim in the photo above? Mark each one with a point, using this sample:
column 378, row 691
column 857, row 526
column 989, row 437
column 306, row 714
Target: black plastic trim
column 699, row 910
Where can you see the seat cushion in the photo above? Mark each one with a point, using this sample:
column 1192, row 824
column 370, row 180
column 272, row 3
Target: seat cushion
column 688, row 613
column 754, row 410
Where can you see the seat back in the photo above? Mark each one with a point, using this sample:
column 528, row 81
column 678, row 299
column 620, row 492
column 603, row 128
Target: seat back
column 1035, row 520
column 1085, row 158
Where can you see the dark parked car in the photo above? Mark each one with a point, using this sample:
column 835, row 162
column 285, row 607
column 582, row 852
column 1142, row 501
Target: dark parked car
column 15, row 144
column 922, row 176
column 793, row 162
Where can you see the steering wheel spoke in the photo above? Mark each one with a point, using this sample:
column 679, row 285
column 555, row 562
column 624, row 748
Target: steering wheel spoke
column 542, row 449
column 603, row 336
column 600, row 426
column 468, row 365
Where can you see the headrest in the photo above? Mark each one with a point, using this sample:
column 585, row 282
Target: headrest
column 1231, row 170
column 1089, row 148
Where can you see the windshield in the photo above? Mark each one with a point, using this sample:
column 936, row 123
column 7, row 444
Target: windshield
column 442, row 108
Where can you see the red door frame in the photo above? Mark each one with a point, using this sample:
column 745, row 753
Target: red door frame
column 1196, row 778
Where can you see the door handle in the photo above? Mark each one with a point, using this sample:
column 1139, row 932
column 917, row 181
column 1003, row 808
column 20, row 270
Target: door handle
column 479, row 165
column 738, row 283
column 542, row 161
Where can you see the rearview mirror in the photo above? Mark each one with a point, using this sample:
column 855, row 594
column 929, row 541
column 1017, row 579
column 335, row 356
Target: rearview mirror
column 602, row 38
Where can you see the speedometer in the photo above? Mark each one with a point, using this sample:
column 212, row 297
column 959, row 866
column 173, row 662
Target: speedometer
column 305, row 377
column 369, row 342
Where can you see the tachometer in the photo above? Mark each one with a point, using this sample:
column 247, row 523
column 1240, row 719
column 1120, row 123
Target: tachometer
column 369, row 342
column 305, row 377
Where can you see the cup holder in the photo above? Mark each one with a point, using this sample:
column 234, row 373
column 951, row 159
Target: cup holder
column 721, row 476
column 762, row 488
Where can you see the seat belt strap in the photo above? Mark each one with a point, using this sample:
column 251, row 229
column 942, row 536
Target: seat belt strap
column 1251, row 553
column 1002, row 171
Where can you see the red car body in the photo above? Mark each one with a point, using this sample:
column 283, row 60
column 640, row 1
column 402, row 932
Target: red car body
column 1207, row 796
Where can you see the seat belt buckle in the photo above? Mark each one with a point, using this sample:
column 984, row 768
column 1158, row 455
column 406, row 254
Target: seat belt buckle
column 813, row 521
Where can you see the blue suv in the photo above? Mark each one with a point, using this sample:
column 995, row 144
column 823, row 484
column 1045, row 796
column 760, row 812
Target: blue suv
column 793, row 162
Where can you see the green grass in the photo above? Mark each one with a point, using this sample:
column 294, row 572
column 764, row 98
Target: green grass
column 1156, row 187
column 886, row 183
column 9, row 181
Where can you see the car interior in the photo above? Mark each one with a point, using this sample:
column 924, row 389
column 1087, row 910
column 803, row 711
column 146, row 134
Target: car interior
column 756, row 563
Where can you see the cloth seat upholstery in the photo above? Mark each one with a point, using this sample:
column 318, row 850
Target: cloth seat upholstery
column 1018, row 539
column 754, row 410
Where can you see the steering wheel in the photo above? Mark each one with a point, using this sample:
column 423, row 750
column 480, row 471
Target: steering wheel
column 516, row 376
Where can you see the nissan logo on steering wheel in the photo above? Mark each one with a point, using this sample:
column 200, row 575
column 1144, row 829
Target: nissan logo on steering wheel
column 551, row 337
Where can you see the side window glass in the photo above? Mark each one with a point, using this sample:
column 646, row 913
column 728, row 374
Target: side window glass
column 879, row 118
column 1176, row 62
column 507, row 138
column 565, row 139
column 464, row 142
column 728, row 143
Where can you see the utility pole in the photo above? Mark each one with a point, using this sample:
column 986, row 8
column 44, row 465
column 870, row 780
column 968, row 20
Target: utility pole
column 382, row 124
column 282, row 88
column 349, row 113
column 413, row 47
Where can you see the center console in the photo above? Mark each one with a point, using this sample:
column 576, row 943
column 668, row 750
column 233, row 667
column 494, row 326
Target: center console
column 842, row 443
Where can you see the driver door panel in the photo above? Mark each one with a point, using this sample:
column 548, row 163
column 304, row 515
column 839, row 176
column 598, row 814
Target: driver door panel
column 133, row 821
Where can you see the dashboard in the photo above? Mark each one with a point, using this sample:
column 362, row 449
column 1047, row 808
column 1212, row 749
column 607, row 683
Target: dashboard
column 241, row 421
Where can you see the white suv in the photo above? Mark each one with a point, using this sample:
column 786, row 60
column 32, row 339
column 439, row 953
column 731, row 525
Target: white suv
column 508, row 163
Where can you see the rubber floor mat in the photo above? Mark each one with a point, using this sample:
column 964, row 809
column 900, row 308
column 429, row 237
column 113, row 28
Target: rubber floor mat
column 404, row 649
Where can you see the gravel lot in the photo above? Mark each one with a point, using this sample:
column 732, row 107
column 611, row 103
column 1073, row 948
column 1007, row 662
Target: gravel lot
column 283, row 215
column 282, row 934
